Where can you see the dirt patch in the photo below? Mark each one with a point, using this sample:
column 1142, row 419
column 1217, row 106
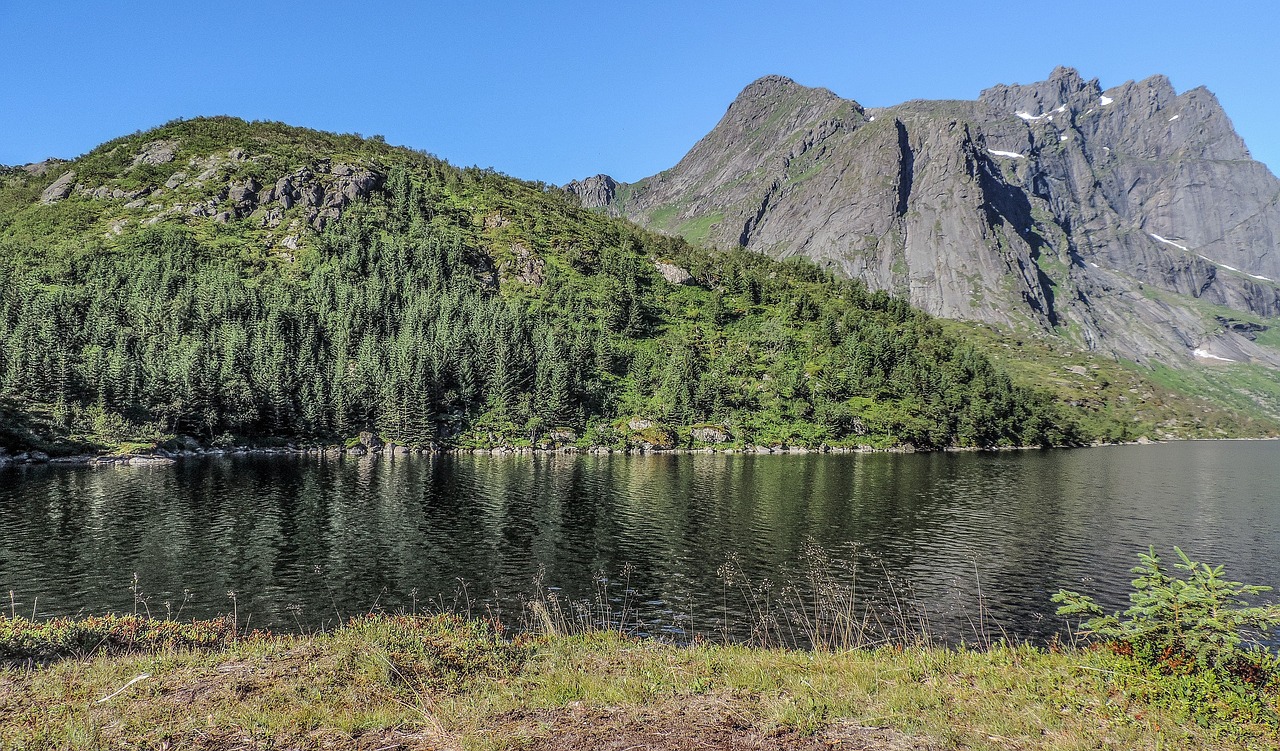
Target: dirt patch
column 390, row 740
column 692, row 724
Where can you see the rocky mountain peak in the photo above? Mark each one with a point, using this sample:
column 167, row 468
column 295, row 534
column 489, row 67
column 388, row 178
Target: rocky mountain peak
column 767, row 95
column 1066, row 74
column 594, row 192
column 1201, row 106
column 1148, row 119
column 1109, row 216
column 1065, row 89
column 766, row 85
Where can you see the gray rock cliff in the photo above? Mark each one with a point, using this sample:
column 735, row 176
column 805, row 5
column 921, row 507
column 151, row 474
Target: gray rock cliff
column 1108, row 216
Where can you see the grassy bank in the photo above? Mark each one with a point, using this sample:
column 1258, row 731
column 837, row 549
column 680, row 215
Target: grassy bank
column 444, row 682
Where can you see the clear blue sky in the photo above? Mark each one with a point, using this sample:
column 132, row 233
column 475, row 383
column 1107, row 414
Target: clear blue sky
column 557, row 90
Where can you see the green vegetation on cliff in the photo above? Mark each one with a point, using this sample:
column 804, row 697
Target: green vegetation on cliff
column 306, row 286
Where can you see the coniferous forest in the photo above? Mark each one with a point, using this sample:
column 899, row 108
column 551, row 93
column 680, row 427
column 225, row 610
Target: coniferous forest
column 445, row 306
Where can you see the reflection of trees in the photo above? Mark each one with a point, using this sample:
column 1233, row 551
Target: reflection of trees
column 1033, row 521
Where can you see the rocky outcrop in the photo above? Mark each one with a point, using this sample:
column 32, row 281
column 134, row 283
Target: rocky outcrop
column 321, row 199
column 322, row 191
column 40, row 169
column 523, row 265
column 1060, row 204
column 710, row 434
column 673, row 273
column 594, row 192
column 156, row 153
column 60, row 189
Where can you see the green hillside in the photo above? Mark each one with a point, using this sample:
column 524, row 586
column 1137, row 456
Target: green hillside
column 235, row 282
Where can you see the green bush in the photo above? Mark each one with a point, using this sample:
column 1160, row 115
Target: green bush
column 1198, row 622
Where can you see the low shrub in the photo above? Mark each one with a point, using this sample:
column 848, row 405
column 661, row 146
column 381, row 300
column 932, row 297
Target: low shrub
column 1195, row 637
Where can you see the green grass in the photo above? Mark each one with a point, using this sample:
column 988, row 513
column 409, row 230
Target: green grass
column 1241, row 386
column 696, row 230
column 663, row 216
column 1121, row 400
column 438, row 681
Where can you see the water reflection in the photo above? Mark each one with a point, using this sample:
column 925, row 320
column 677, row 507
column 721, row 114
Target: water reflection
column 307, row 540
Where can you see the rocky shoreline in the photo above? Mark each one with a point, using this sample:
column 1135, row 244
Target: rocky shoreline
column 369, row 447
column 163, row 457
column 375, row 449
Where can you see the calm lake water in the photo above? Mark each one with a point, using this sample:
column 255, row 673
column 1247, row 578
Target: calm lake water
column 973, row 541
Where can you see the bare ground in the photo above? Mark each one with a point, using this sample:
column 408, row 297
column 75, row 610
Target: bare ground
column 693, row 724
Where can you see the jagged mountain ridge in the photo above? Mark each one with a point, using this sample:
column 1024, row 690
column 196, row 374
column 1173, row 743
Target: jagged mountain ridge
column 1125, row 219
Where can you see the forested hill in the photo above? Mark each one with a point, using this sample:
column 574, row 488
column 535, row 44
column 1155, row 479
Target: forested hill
column 233, row 281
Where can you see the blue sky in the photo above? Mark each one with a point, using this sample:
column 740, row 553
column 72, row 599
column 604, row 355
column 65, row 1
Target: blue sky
column 557, row 90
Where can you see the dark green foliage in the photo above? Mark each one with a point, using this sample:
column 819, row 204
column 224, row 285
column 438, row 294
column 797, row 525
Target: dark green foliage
column 1189, row 636
column 465, row 307
column 1199, row 621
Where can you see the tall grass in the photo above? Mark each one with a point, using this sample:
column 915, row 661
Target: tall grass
column 827, row 601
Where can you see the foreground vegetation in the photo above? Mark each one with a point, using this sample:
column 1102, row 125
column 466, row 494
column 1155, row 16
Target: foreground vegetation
column 1170, row 672
column 433, row 682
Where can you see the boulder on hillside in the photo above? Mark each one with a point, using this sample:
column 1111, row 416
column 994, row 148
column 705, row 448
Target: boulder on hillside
column 352, row 183
column 60, row 189
column 673, row 273
column 527, row 267
column 244, row 193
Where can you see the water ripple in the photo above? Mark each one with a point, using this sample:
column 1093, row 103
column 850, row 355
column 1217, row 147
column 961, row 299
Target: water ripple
column 304, row 541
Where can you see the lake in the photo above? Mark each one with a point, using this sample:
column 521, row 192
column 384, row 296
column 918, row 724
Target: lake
column 968, row 544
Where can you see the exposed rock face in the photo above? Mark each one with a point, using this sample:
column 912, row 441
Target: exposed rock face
column 60, row 189
column 40, row 169
column 594, row 192
column 525, row 266
column 710, row 434
column 323, row 190
column 351, row 184
column 1057, row 203
column 157, row 152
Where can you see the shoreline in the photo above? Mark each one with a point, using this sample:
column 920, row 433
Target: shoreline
column 390, row 452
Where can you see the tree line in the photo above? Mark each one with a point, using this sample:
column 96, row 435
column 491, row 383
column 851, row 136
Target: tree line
column 401, row 318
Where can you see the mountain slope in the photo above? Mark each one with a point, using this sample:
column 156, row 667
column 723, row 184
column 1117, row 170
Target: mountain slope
column 234, row 281
column 1131, row 221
